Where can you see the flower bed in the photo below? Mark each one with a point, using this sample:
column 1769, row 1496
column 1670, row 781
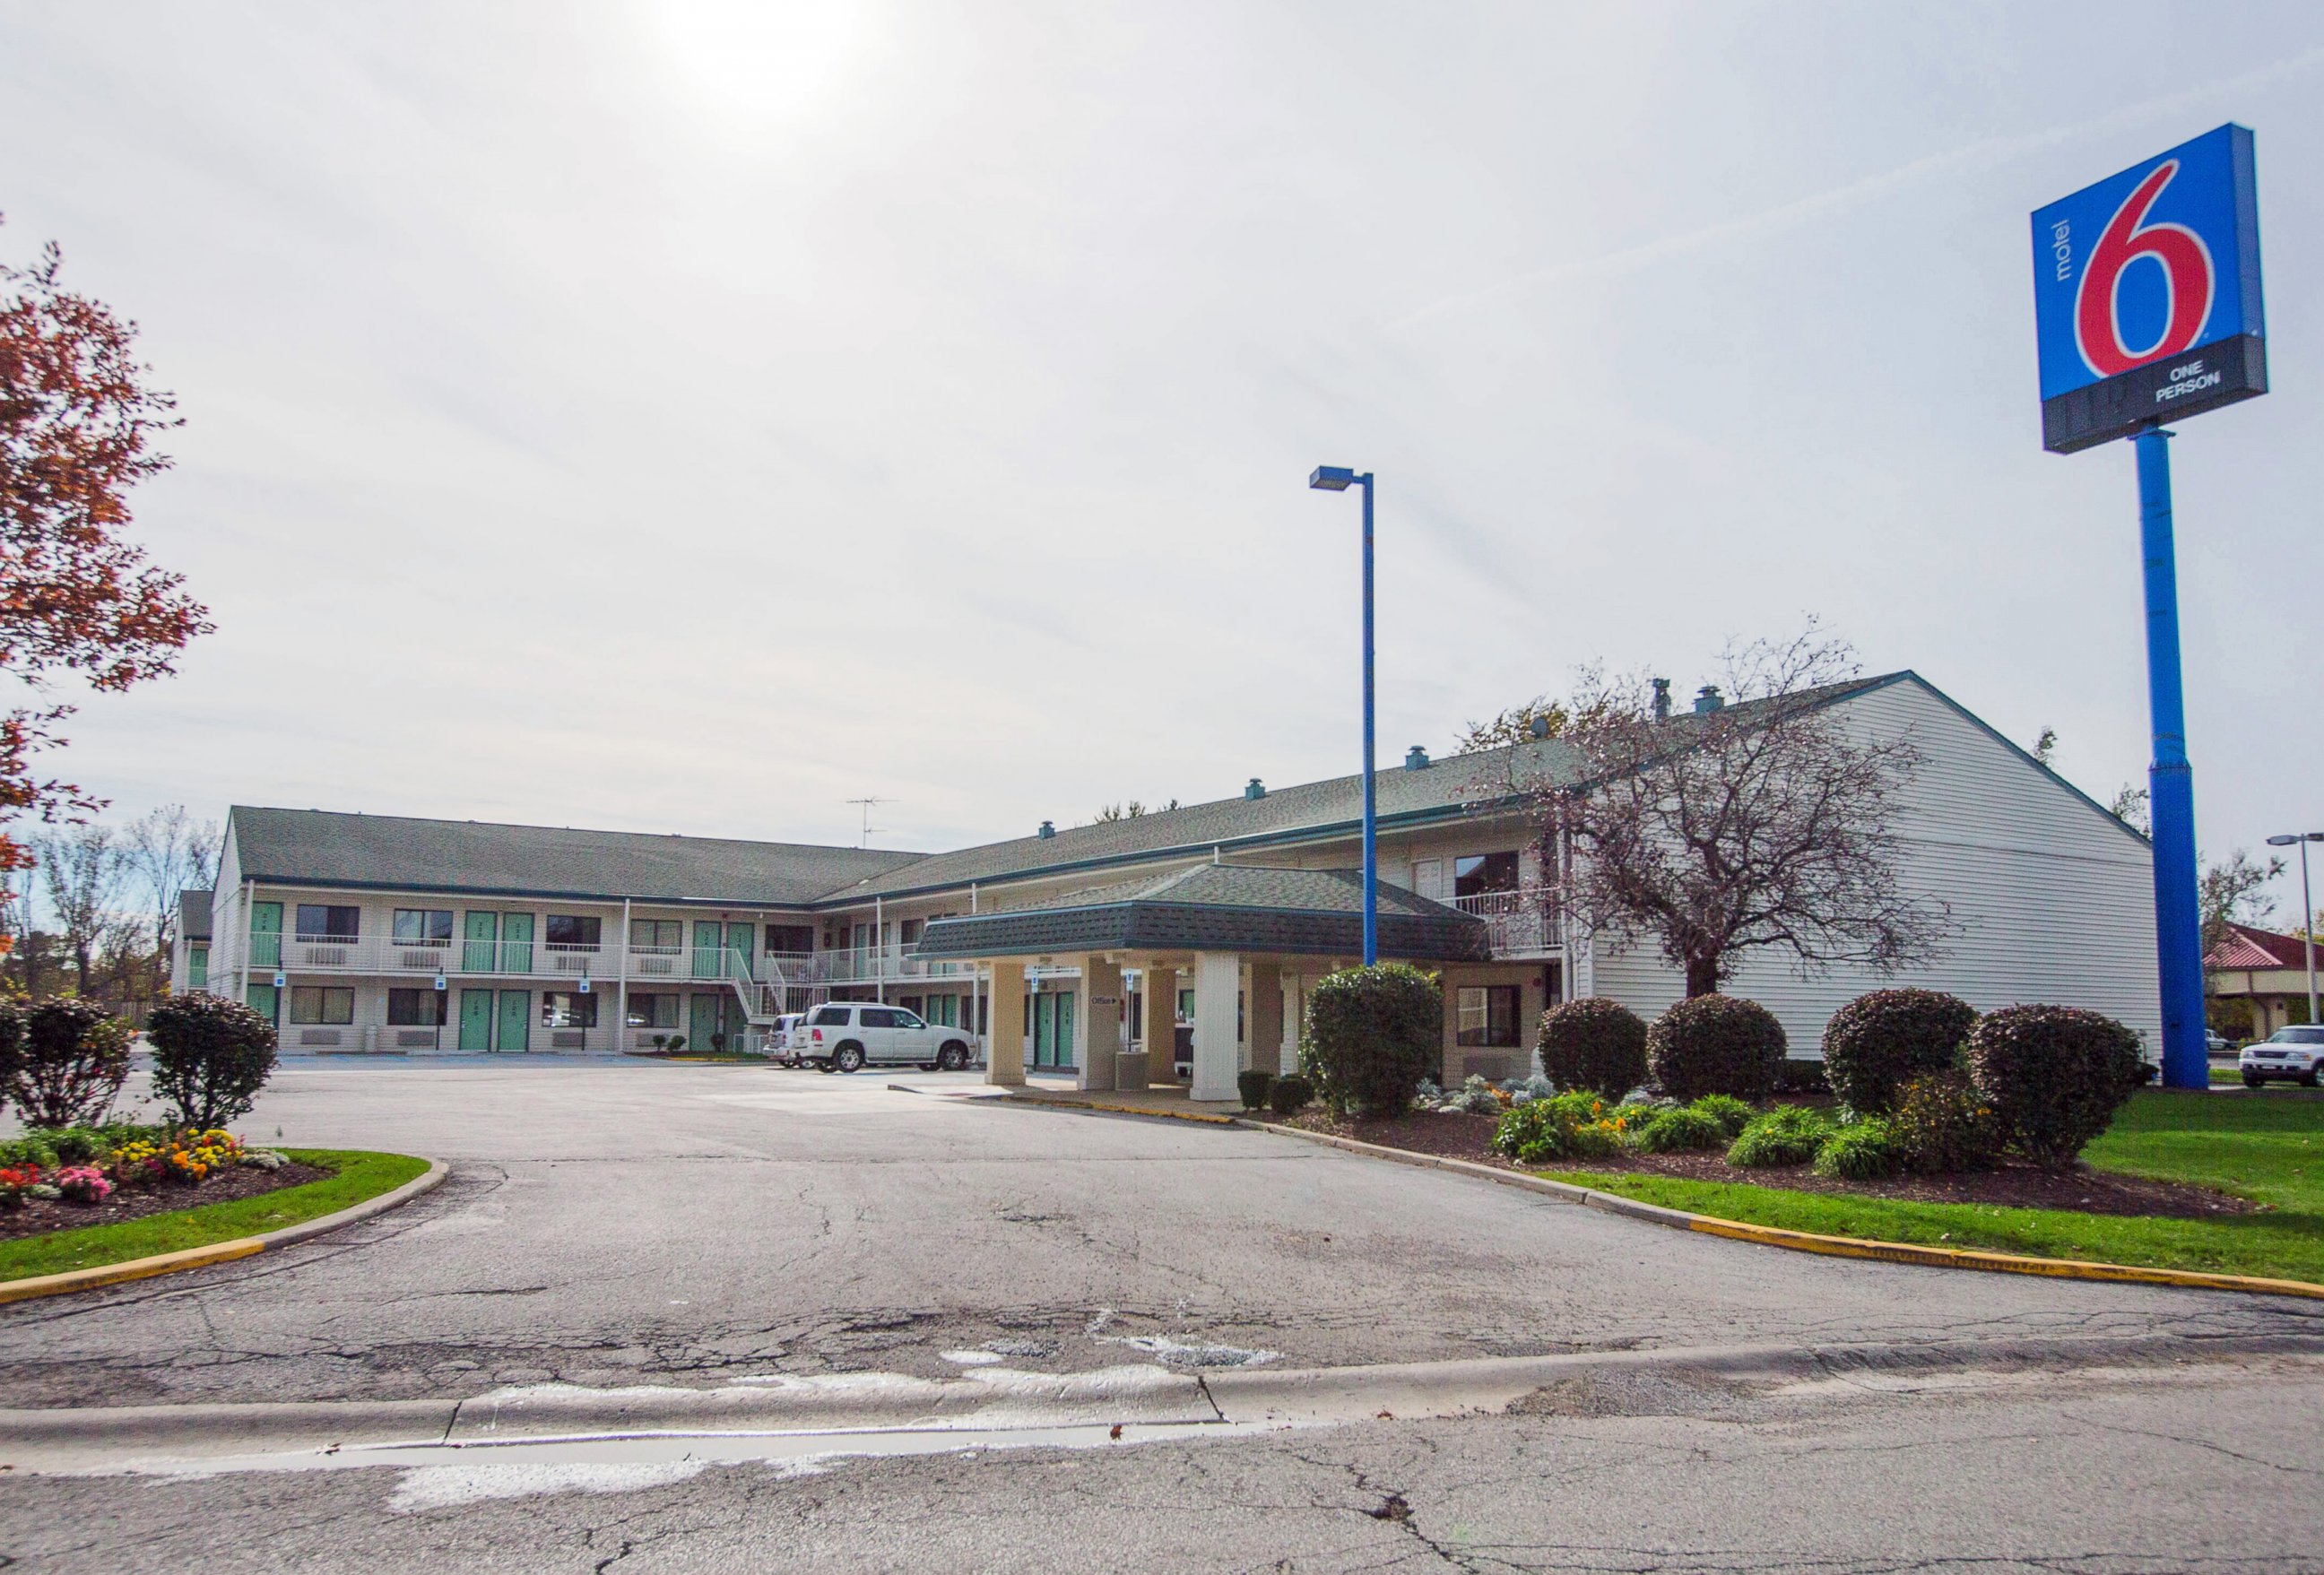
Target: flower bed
column 1457, row 1135
column 67, row 1178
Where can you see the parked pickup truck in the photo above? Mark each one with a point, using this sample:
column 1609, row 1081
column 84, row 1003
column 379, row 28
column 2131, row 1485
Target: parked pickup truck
column 848, row 1036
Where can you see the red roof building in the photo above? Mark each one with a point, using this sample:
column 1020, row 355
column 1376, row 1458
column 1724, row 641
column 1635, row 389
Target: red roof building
column 2266, row 970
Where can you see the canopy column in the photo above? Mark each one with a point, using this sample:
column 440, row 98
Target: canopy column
column 1004, row 1055
column 1263, row 1010
column 1218, row 979
column 1097, row 1023
column 1159, row 999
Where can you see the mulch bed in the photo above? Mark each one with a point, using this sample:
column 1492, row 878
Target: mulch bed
column 2012, row 1187
column 40, row 1216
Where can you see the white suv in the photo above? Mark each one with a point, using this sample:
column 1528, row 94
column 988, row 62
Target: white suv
column 2295, row 1053
column 846, row 1035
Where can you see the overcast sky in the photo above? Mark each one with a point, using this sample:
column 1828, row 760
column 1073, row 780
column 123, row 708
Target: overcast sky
column 691, row 416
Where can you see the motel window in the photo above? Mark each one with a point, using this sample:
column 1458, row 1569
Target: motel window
column 913, row 1003
column 417, row 1009
column 197, row 967
column 324, row 922
column 575, row 932
column 1482, row 872
column 1489, row 1015
column 782, row 938
column 1185, row 1006
column 653, row 1009
column 911, row 931
column 657, row 934
column 319, row 1003
column 423, row 927
column 568, row 1009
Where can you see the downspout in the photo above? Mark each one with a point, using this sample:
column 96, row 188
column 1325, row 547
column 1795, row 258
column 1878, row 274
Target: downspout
column 879, row 952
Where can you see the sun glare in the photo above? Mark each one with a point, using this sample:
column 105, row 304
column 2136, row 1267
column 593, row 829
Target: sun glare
column 754, row 64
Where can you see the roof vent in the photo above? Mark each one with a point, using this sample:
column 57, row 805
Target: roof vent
column 1707, row 700
column 1048, row 829
column 1254, row 788
column 1662, row 699
column 1416, row 758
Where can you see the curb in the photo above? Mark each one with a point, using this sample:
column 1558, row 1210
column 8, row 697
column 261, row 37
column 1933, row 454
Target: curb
column 1953, row 1257
column 1905, row 1252
column 168, row 1263
column 1205, row 1116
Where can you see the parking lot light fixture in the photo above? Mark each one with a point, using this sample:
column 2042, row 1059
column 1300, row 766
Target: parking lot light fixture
column 1338, row 478
column 2306, row 905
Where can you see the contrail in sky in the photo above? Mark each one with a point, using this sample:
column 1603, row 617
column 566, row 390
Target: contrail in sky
column 1984, row 152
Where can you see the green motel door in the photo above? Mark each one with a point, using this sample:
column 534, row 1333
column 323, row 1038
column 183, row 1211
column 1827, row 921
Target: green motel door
column 516, row 947
column 1053, row 1030
column 709, row 949
column 480, row 935
column 703, row 1018
column 738, row 951
column 266, row 935
column 516, row 1017
column 266, row 1000
column 477, row 1017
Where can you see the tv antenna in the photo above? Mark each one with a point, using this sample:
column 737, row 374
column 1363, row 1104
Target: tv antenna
column 870, row 831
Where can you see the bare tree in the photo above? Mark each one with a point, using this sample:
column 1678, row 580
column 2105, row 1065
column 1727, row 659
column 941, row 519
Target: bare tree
column 2234, row 891
column 171, row 853
column 1760, row 823
column 81, row 866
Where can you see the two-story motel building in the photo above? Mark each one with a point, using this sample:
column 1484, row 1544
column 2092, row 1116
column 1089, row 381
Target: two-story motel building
column 1087, row 950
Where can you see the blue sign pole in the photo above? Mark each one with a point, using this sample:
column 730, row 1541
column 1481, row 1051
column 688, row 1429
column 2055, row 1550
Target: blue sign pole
column 2170, row 782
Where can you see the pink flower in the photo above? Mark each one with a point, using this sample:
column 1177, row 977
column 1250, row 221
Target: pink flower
column 83, row 1184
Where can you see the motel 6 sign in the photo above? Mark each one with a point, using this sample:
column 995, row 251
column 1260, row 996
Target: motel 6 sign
column 2146, row 294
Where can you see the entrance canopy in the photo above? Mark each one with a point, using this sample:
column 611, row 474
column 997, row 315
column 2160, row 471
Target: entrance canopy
column 1217, row 908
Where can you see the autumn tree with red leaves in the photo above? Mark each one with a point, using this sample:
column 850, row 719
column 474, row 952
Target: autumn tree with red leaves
column 77, row 424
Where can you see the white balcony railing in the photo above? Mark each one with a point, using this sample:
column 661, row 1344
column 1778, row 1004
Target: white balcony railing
column 1526, row 922
column 602, row 964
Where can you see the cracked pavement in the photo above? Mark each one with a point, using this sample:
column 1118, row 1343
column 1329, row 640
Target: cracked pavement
column 610, row 1225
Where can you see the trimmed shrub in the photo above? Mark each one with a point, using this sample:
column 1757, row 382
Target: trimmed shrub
column 1862, row 1150
column 1688, row 1126
column 1731, row 1114
column 1715, row 1044
column 2054, row 1075
column 1796, row 1076
column 1252, row 1082
column 1943, row 1126
column 1287, row 1096
column 1371, row 1034
column 1595, row 1044
column 70, row 1064
column 1787, row 1134
column 1879, row 1042
column 1567, row 1126
column 211, row 1056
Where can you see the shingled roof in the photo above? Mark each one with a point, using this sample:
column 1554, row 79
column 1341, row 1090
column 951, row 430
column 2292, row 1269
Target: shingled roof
column 194, row 915
column 321, row 848
column 1215, row 908
column 1456, row 786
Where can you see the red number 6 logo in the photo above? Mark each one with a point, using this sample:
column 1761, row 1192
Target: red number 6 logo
column 2186, row 268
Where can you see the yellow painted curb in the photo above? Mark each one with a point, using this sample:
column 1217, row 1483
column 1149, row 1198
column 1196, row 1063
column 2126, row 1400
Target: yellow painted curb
column 168, row 1263
column 2008, row 1263
column 135, row 1268
column 1114, row 1109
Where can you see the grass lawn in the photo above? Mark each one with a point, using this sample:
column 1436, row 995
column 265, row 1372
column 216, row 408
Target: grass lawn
column 2269, row 1150
column 360, row 1176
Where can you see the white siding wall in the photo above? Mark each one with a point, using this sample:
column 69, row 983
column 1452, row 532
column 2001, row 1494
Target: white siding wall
column 2054, row 897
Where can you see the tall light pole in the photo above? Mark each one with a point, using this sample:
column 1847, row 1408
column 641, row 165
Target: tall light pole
column 1338, row 478
column 2307, row 906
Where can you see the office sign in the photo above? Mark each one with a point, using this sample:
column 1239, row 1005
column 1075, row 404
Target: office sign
column 2147, row 294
